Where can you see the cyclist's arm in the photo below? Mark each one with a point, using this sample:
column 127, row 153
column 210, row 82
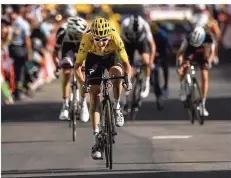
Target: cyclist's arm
column 59, row 39
column 120, row 50
column 217, row 31
column 180, row 52
column 213, row 52
column 151, row 41
column 80, row 58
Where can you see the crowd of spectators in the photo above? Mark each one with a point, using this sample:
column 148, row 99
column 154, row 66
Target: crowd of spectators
column 28, row 39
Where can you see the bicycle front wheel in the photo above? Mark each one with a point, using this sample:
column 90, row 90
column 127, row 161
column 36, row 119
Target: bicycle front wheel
column 188, row 103
column 136, row 98
column 74, row 109
column 109, row 134
column 197, row 102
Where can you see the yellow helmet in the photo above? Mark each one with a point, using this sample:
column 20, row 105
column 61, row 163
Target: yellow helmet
column 100, row 27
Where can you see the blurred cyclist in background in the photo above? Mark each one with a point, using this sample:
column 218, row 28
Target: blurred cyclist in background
column 136, row 34
column 200, row 46
column 203, row 17
column 68, row 39
column 163, row 49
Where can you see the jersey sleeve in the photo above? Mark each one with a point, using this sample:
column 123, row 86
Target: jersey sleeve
column 148, row 31
column 83, row 49
column 120, row 48
column 59, row 38
column 183, row 46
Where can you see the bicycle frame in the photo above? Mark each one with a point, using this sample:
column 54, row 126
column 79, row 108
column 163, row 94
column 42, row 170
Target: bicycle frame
column 190, row 73
column 108, row 122
column 192, row 83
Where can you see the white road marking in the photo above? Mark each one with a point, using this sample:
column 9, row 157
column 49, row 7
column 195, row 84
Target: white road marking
column 171, row 137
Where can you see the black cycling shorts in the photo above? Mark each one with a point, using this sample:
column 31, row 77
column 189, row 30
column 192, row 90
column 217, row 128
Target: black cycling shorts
column 92, row 61
column 142, row 47
column 200, row 59
column 69, row 51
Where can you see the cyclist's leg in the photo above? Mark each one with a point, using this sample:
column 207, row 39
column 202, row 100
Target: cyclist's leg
column 84, row 113
column 164, row 64
column 115, row 69
column 156, row 82
column 205, row 81
column 94, row 94
column 130, row 49
column 181, row 74
column 144, row 50
column 67, row 61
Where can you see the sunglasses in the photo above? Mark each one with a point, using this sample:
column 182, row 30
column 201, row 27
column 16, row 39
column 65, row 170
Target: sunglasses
column 101, row 39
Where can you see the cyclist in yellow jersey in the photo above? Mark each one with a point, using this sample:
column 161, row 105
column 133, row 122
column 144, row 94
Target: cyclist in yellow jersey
column 102, row 45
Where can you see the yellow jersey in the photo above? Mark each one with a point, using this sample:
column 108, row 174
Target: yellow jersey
column 115, row 45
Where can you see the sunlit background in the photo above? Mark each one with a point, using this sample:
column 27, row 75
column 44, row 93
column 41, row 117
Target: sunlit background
column 44, row 20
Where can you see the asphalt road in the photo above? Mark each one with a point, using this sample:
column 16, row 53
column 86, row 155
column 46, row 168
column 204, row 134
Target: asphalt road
column 159, row 144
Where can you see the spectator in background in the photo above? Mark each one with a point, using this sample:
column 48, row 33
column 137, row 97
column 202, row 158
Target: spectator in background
column 20, row 48
column 163, row 49
column 7, row 71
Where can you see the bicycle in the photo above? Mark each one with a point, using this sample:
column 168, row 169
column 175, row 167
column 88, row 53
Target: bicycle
column 74, row 103
column 193, row 101
column 132, row 104
column 108, row 132
column 155, row 83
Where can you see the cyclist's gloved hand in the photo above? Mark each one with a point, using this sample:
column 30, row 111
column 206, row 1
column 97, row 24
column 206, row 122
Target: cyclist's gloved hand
column 127, row 84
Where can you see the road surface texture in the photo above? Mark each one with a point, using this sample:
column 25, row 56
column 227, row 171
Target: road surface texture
column 159, row 144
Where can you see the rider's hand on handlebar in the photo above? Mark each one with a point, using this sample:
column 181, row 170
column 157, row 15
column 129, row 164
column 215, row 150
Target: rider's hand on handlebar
column 127, row 84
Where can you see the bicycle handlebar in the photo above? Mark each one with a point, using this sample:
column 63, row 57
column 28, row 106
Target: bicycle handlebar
column 125, row 78
column 104, row 79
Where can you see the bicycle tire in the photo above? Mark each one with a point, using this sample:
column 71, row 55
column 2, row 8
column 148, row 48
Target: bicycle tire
column 74, row 108
column 188, row 103
column 135, row 97
column 70, row 111
column 103, row 144
column 197, row 102
column 108, row 134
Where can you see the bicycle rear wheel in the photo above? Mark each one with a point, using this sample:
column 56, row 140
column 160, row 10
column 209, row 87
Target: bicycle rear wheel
column 197, row 102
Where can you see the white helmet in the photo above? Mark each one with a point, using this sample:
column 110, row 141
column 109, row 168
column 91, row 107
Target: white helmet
column 136, row 24
column 197, row 36
column 76, row 25
column 201, row 20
